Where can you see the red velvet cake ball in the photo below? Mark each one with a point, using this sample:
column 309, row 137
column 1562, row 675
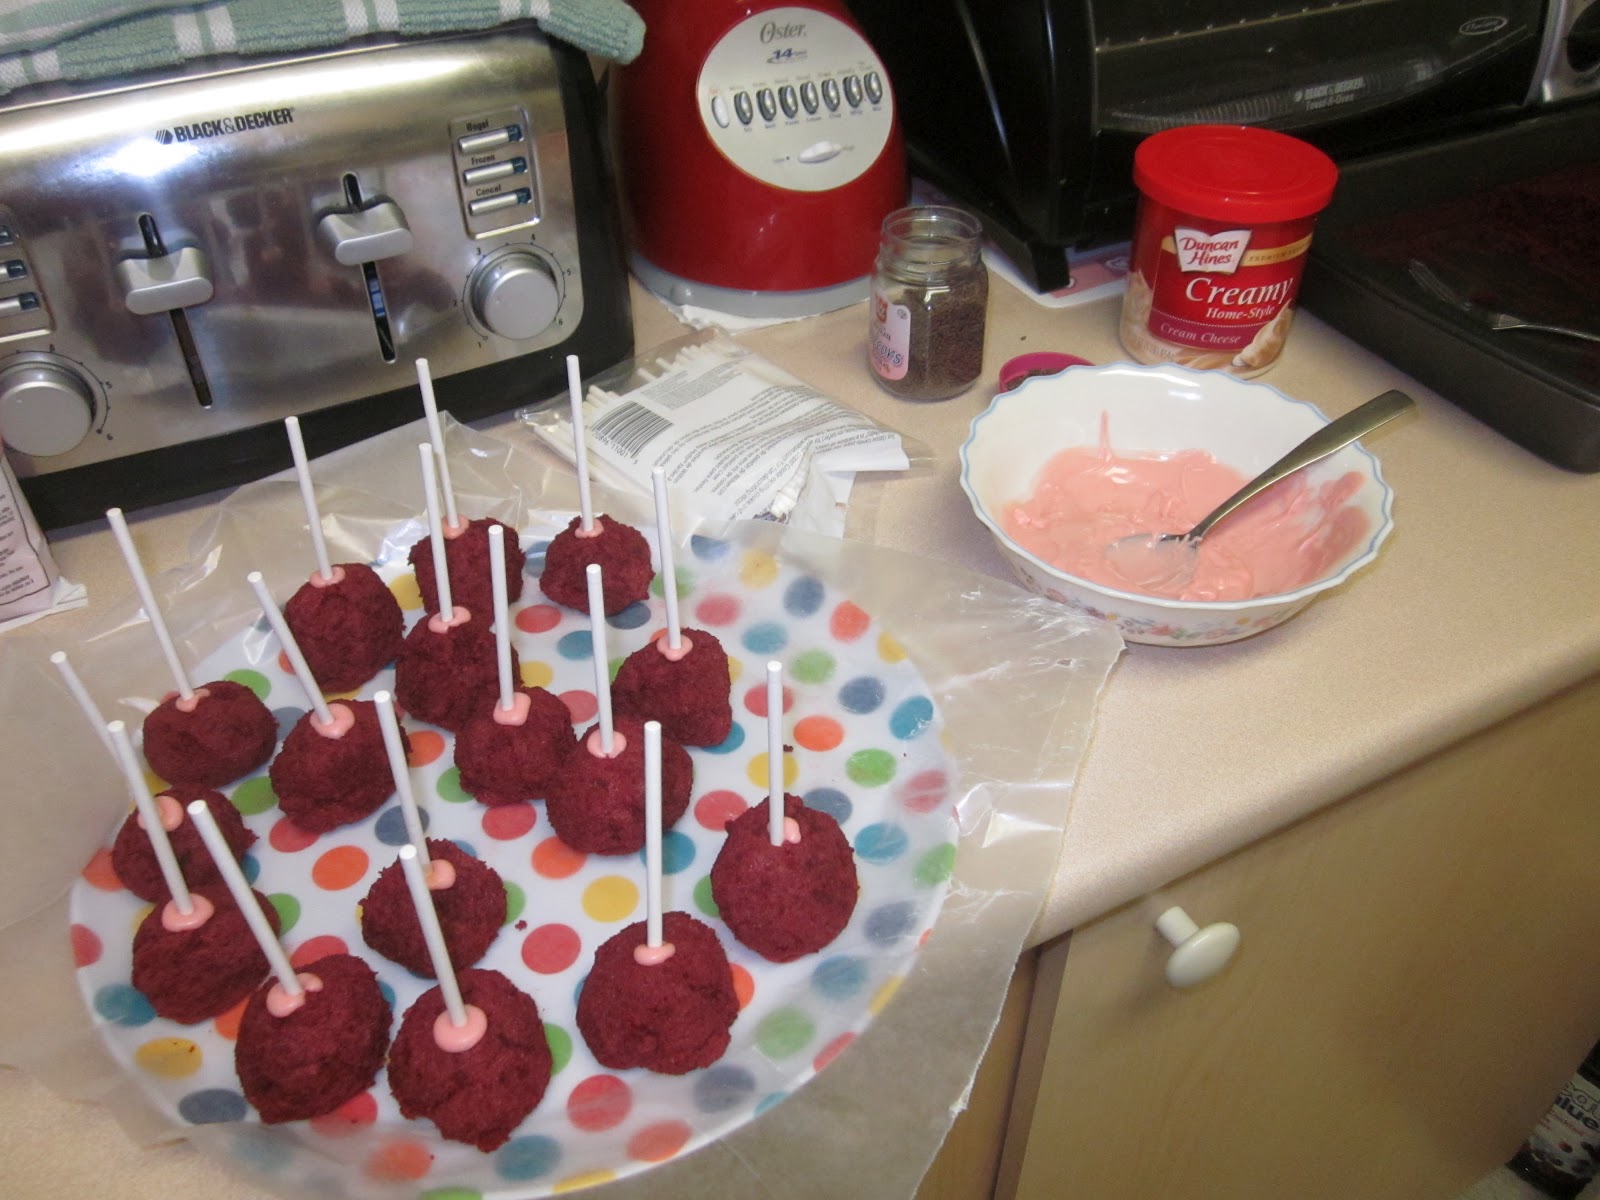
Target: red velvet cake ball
column 189, row 975
column 671, row 1016
column 133, row 858
column 467, row 560
column 228, row 734
column 688, row 695
column 471, row 911
column 503, row 763
column 624, row 558
column 349, row 628
column 308, row 1063
column 327, row 779
column 596, row 806
column 448, row 678
column 790, row 900
column 479, row 1095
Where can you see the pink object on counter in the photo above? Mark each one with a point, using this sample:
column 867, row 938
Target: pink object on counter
column 1039, row 362
column 1289, row 536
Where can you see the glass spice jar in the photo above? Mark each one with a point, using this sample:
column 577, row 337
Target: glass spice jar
column 930, row 303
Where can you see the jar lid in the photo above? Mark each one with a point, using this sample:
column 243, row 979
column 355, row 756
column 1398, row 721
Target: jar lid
column 1236, row 173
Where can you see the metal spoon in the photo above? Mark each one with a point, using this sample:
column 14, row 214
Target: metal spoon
column 1159, row 561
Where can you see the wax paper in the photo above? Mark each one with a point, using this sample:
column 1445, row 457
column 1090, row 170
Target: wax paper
column 1015, row 677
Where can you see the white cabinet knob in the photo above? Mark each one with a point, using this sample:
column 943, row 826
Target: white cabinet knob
column 1197, row 953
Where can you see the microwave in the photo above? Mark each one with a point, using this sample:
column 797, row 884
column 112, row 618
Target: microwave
column 1028, row 111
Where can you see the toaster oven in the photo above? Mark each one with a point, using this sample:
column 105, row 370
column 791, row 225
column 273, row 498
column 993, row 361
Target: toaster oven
column 186, row 260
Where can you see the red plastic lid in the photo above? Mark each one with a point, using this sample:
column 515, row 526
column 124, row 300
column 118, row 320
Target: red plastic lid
column 1234, row 173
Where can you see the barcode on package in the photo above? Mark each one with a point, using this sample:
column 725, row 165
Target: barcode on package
column 629, row 427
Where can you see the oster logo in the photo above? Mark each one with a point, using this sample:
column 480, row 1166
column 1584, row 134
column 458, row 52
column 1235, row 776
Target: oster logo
column 225, row 126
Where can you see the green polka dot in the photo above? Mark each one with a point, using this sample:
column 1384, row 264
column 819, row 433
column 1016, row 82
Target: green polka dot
column 814, row 666
column 784, row 1032
column 703, row 900
column 255, row 796
column 935, row 866
column 449, row 787
column 870, row 768
column 560, row 1046
column 288, row 911
column 516, row 901
column 685, row 582
column 254, row 680
column 613, row 665
column 451, row 1193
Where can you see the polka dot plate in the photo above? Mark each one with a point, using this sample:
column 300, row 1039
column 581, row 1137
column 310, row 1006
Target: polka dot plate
column 866, row 748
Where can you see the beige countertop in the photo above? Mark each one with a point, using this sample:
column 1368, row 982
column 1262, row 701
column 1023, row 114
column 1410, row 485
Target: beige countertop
column 1482, row 603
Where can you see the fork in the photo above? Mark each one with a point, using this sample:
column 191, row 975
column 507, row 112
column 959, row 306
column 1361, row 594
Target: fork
column 1497, row 321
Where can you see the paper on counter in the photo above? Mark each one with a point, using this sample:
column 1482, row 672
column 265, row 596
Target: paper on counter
column 30, row 585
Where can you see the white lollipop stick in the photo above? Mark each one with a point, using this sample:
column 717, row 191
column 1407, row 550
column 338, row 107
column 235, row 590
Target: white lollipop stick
column 81, row 695
column 401, row 770
column 233, row 875
column 297, row 448
column 291, row 648
column 580, row 452
column 416, row 880
column 430, row 410
column 146, row 804
column 775, row 752
column 669, row 572
column 441, row 569
column 602, row 670
column 502, row 611
column 147, row 597
column 652, row 833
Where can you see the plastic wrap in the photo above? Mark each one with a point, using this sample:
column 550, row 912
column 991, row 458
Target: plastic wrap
column 1016, row 679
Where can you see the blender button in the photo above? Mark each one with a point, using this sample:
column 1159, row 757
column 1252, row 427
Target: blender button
column 808, row 96
column 742, row 106
column 719, row 111
column 819, row 152
column 767, row 105
column 852, row 91
column 874, row 87
column 830, row 93
column 790, row 100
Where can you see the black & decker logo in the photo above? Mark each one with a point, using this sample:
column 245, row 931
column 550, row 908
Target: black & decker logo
column 224, row 126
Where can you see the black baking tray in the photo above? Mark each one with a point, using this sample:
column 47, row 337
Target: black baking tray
column 1511, row 216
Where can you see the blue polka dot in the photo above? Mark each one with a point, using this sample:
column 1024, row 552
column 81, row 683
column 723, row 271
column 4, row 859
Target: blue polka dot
column 708, row 549
column 261, row 1150
column 840, row 977
column 390, row 827
column 720, row 1088
column 804, row 596
column 123, row 1005
column 577, row 992
column 677, row 852
column 466, row 848
column 911, row 717
column 287, row 718
column 214, row 1106
column 862, row 695
column 535, row 564
column 891, row 923
column 528, row 1157
column 635, row 615
column 576, row 645
column 263, row 626
column 770, row 1101
column 881, row 843
column 768, row 637
column 387, row 992
column 831, row 801
column 729, row 744
column 250, row 867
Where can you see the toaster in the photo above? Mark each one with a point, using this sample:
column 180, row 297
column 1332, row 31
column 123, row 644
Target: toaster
column 187, row 260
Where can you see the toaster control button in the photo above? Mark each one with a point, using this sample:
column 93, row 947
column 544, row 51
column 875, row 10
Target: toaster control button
column 11, row 306
column 830, row 93
column 45, row 409
column 477, row 143
column 367, row 234
column 14, row 269
column 789, row 100
column 852, row 91
column 515, row 295
column 8, row 236
column 719, row 111
column 489, row 204
column 874, row 84
column 809, row 96
column 819, row 152
column 180, row 279
column 492, row 171
column 767, row 104
column 742, row 106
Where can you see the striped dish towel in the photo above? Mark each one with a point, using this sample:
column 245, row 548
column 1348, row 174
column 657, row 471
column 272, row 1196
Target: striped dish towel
column 45, row 40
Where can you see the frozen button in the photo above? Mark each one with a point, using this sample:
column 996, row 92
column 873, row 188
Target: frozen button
column 819, row 152
column 719, row 111
column 473, row 176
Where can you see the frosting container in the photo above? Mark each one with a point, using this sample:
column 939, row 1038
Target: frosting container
column 1220, row 243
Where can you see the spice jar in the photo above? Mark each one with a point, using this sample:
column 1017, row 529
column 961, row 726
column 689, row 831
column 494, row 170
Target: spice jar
column 930, row 303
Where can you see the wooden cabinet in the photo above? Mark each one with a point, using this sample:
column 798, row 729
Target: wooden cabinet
column 1420, row 972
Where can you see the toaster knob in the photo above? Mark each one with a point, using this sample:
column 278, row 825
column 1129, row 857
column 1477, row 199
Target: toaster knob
column 44, row 408
column 515, row 295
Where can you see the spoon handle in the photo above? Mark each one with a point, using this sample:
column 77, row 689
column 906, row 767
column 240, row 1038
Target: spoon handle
column 1335, row 435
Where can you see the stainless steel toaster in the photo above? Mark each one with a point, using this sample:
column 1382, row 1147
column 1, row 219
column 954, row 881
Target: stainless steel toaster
column 187, row 260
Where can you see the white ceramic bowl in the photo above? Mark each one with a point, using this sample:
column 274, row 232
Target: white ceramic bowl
column 1245, row 425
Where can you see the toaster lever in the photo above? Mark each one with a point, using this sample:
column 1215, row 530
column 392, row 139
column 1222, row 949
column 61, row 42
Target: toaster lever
column 366, row 234
column 164, row 282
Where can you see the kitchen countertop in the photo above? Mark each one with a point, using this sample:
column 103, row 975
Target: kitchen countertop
column 1481, row 604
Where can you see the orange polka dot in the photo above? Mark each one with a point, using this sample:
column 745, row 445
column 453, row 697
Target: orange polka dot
column 554, row 859
column 744, row 984
column 86, row 946
column 318, row 947
column 227, row 1025
column 284, row 664
column 426, row 747
column 848, row 622
column 399, row 1162
column 98, row 873
column 354, row 1115
column 658, row 1142
column 818, row 733
column 831, row 1051
column 340, row 868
